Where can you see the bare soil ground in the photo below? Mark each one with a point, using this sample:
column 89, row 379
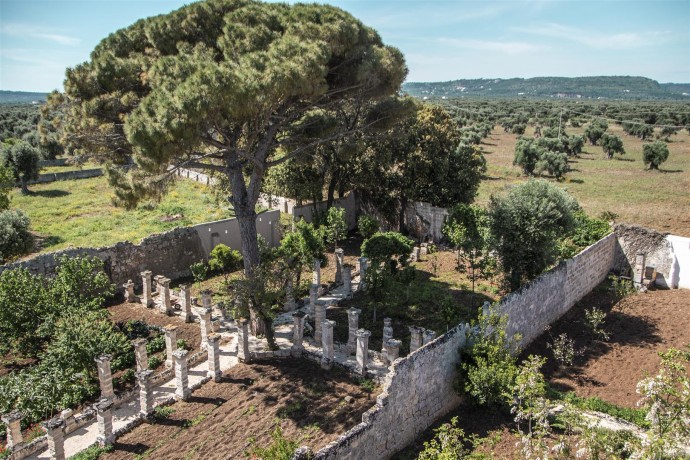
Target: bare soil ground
column 228, row 419
column 640, row 326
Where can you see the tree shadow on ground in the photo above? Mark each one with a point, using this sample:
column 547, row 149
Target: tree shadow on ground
column 137, row 449
column 49, row 193
column 491, row 178
column 625, row 159
column 670, row 171
column 576, row 181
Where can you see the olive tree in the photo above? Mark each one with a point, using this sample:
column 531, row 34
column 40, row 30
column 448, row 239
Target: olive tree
column 525, row 226
column 654, row 154
column 22, row 160
column 234, row 87
column 611, row 144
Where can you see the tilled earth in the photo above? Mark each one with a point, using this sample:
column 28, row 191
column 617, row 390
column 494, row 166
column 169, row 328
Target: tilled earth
column 227, row 420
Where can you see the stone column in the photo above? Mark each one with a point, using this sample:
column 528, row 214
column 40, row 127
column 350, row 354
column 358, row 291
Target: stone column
column 186, row 302
column 104, row 418
column 347, row 280
column 327, row 344
column 170, row 343
column 317, row 273
column 428, row 336
column 13, row 421
column 423, row 249
column 387, row 334
column 352, row 327
column 319, row 318
column 181, row 378
column 392, row 347
column 416, row 338
column 105, row 377
column 416, row 253
column 205, row 325
column 243, row 341
column 290, row 303
column 297, row 333
column 214, row 370
column 145, row 393
column 638, row 273
column 164, row 295
column 206, row 299
column 56, row 437
column 339, row 259
column 362, row 350
column 129, row 292
column 140, row 354
column 486, row 309
column 362, row 272
column 313, row 296
column 146, row 297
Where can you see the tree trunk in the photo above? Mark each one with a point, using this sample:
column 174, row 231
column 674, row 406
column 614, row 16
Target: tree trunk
column 25, row 186
column 331, row 193
column 401, row 216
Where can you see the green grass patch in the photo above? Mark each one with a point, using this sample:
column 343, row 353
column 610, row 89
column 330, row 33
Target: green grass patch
column 92, row 453
column 79, row 213
column 636, row 416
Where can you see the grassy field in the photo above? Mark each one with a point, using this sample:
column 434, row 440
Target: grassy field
column 80, row 213
column 654, row 199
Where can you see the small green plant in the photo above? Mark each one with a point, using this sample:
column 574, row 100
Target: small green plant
column 182, row 344
column 531, row 409
column 224, row 260
column 367, row 226
column 448, row 443
column 594, row 320
column 92, row 453
column 154, row 362
column 336, row 225
column 290, row 409
column 126, row 377
column 162, row 412
column 280, row 448
column 368, row 385
column 622, row 287
column 199, row 271
column 156, row 344
column 563, row 348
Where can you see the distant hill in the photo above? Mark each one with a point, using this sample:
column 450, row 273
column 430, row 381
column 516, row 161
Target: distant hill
column 21, row 97
column 553, row 87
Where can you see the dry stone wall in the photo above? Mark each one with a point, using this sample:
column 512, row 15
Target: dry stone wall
column 419, row 388
column 417, row 391
column 544, row 300
column 169, row 254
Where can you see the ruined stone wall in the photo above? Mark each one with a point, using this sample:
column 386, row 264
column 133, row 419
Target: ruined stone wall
column 425, row 222
column 169, row 254
column 417, row 391
column 633, row 239
column 67, row 175
column 547, row 298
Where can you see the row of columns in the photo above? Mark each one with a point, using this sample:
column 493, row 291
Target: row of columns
column 164, row 294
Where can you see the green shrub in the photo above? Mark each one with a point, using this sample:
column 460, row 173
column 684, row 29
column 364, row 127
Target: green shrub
column 367, row 226
column 182, row 344
column 156, row 344
column 389, row 248
column 92, row 452
column 199, row 271
column 15, row 238
column 448, row 443
column 224, row 260
column 154, row 362
column 134, row 328
column 489, row 368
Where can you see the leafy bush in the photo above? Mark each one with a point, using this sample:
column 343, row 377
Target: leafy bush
column 92, row 452
column 182, row 344
column 563, row 348
column 156, row 344
column 134, row 328
column 611, row 144
column 22, row 159
column 15, row 238
column 594, row 320
column 488, row 368
column 6, row 184
column 525, row 226
column 554, row 163
column 336, row 225
column 448, row 443
column 367, row 226
column 654, row 154
column 199, row 271
column 224, row 260
column 154, row 362
column 390, row 248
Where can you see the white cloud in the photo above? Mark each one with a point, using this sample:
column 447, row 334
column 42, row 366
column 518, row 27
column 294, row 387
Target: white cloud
column 27, row 31
column 594, row 39
column 510, row 47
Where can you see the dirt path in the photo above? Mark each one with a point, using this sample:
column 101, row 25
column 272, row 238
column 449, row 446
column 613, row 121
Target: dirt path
column 225, row 420
column 640, row 326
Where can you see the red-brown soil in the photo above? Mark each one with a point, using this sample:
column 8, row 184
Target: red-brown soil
column 640, row 326
column 227, row 419
column 189, row 332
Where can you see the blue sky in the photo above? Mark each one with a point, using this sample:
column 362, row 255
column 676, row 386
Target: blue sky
column 441, row 40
